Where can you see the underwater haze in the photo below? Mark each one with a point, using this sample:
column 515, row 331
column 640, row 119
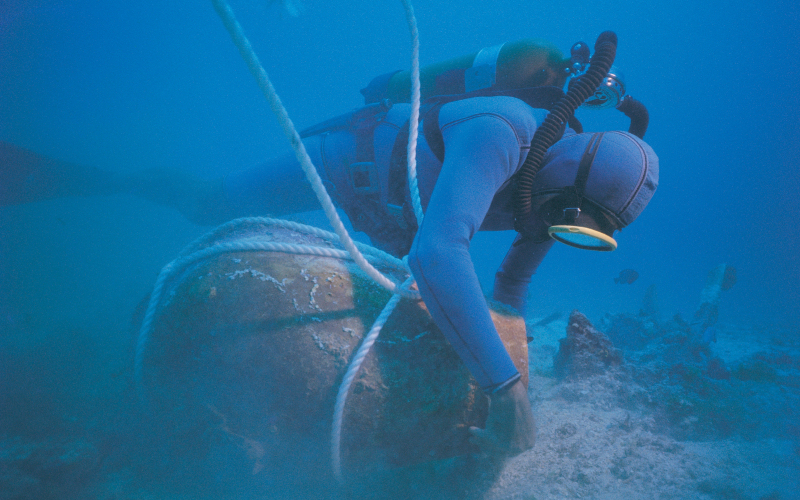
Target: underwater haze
column 125, row 86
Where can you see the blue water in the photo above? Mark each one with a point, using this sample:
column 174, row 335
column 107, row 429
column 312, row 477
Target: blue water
column 131, row 85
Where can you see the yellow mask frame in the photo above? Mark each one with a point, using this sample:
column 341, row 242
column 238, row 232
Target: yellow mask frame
column 583, row 238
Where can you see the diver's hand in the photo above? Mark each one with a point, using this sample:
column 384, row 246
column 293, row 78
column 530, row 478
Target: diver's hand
column 510, row 427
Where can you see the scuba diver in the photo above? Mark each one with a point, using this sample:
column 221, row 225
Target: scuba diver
column 499, row 149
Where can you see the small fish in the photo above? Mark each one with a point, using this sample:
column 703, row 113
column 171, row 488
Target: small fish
column 626, row 277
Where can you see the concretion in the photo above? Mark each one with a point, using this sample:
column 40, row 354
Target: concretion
column 249, row 348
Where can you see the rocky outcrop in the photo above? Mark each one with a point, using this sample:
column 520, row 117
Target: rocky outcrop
column 585, row 351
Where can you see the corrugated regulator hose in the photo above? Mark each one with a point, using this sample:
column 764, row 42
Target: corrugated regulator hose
column 605, row 49
column 638, row 114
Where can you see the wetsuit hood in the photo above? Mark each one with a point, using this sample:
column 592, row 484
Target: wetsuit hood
column 621, row 181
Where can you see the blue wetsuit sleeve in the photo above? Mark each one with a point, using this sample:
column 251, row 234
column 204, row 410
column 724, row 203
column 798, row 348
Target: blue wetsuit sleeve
column 512, row 279
column 482, row 153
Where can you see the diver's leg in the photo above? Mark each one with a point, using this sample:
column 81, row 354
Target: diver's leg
column 276, row 188
column 279, row 187
column 27, row 177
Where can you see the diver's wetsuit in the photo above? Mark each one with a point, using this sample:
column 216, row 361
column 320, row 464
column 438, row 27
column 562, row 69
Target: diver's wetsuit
column 485, row 142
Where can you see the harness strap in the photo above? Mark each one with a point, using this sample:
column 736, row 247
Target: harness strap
column 576, row 191
column 432, row 132
column 535, row 97
column 586, row 163
column 363, row 173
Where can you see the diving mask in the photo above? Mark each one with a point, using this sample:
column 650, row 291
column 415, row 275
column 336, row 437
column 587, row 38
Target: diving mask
column 588, row 229
column 583, row 238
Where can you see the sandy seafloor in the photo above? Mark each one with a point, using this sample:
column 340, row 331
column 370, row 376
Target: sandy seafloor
column 593, row 443
column 600, row 436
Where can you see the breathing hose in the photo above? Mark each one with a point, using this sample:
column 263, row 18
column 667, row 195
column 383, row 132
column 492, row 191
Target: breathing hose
column 605, row 49
column 638, row 114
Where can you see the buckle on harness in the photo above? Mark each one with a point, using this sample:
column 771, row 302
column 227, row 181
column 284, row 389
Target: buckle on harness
column 572, row 213
column 397, row 214
column 364, row 177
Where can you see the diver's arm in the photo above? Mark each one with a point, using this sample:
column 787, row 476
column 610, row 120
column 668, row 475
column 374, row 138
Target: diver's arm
column 482, row 151
column 481, row 155
column 514, row 275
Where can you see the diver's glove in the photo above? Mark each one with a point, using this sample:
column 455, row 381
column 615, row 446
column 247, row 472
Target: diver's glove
column 510, row 427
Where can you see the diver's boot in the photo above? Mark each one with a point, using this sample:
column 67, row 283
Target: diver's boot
column 510, row 427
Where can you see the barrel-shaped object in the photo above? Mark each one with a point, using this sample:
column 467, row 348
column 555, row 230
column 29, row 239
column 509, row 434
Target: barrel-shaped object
column 248, row 350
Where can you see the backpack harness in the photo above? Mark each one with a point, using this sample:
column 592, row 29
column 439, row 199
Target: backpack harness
column 381, row 202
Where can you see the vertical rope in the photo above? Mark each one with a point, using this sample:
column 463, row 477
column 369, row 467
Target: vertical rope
column 257, row 70
column 413, row 122
column 369, row 340
column 251, row 59
column 347, row 381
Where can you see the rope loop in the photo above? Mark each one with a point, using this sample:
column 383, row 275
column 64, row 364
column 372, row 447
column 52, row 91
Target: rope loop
column 204, row 248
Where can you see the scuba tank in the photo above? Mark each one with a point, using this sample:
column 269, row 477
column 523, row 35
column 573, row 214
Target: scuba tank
column 521, row 64
column 512, row 65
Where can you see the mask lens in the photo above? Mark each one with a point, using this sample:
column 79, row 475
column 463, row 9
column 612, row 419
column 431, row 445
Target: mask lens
column 583, row 237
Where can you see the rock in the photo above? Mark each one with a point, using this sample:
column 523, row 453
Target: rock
column 52, row 468
column 249, row 349
column 717, row 370
column 585, row 350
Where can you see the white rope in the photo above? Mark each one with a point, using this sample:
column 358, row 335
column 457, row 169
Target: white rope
column 349, row 376
column 413, row 122
column 230, row 226
column 257, row 70
column 245, row 49
column 369, row 340
column 242, row 245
